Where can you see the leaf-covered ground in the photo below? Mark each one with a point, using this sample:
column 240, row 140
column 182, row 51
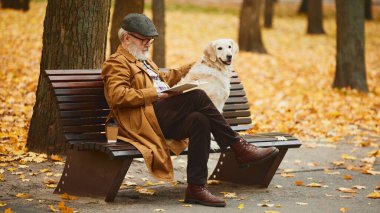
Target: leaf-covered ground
column 289, row 89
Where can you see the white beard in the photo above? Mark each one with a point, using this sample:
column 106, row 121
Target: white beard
column 141, row 55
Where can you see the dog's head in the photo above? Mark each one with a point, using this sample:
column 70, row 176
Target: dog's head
column 222, row 51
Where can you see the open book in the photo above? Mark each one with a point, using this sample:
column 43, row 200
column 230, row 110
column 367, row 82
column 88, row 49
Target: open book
column 184, row 88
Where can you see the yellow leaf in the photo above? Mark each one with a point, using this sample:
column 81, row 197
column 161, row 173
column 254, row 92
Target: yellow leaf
column 68, row 197
column 374, row 195
column 160, row 210
column 348, row 157
column 343, row 209
column 271, row 212
column 314, row 185
column 8, row 210
column 56, row 158
column 51, row 185
column 44, row 170
column 2, row 204
column 53, row 209
column 301, row 203
column 241, row 206
column 187, row 205
column 378, row 186
column 299, row 183
column 374, row 153
column 370, row 172
column 2, row 178
column 347, row 177
column 22, row 195
column 229, row 194
column 214, row 182
column 283, row 174
column 144, row 191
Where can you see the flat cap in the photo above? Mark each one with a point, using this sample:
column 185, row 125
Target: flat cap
column 139, row 23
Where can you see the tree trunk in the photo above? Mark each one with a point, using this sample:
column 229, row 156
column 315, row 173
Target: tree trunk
column 121, row 9
column 350, row 58
column 158, row 8
column 74, row 37
column 249, row 29
column 303, row 7
column 368, row 10
column 314, row 17
column 268, row 13
column 15, row 4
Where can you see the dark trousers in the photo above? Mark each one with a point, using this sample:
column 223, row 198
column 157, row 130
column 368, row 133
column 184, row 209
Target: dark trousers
column 193, row 115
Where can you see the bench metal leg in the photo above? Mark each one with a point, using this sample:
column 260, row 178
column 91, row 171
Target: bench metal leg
column 261, row 175
column 92, row 174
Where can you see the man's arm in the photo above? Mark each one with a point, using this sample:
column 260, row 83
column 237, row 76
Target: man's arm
column 117, row 87
column 173, row 76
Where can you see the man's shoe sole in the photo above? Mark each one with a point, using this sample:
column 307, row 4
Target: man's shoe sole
column 204, row 204
column 273, row 154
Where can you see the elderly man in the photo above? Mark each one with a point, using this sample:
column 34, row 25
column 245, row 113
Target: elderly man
column 157, row 123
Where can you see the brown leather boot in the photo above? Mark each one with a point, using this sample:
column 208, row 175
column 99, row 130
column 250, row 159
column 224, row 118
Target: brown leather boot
column 200, row 195
column 247, row 154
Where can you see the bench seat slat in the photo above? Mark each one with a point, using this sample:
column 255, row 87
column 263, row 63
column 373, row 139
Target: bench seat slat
column 236, row 100
column 89, row 137
column 236, row 87
column 82, row 121
column 241, row 128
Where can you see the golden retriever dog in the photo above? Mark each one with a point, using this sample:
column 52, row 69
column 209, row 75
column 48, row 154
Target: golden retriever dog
column 215, row 69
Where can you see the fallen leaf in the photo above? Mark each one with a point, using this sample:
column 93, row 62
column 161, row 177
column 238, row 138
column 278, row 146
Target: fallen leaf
column 265, row 204
column 374, row 195
column 374, row 153
column 241, row 206
column 370, row 160
column 348, row 157
column 278, row 186
column 301, row 204
column 328, row 195
column 2, row 178
column 378, row 186
column 314, row 185
column 160, row 210
column 187, row 205
column 66, row 196
column 271, row 212
column 144, row 191
column 214, row 182
column 22, row 195
column 8, row 210
column 53, row 209
column 347, row 177
column 2, row 204
column 44, row 170
column 345, row 196
column 286, row 175
column 338, row 163
column 370, row 172
column 29, row 200
column 343, row 209
column 51, row 185
column 346, row 190
column 56, row 158
column 299, row 183
column 229, row 194
column 358, row 187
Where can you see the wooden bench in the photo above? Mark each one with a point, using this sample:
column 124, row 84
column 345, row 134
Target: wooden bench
column 96, row 168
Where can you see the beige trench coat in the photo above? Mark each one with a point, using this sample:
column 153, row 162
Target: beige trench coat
column 130, row 93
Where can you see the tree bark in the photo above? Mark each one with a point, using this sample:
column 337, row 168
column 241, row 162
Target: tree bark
column 350, row 58
column 121, row 9
column 158, row 8
column 268, row 13
column 303, row 7
column 368, row 10
column 314, row 17
column 249, row 29
column 74, row 37
column 15, row 4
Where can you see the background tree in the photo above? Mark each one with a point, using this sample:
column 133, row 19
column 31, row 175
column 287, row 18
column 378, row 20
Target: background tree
column 268, row 13
column 303, row 7
column 314, row 17
column 74, row 37
column 158, row 9
column 350, row 60
column 368, row 10
column 249, row 28
column 15, row 4
column 121, row 9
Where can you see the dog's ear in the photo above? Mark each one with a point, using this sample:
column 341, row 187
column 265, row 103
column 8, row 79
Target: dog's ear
column 235, row 47
column 210, row 52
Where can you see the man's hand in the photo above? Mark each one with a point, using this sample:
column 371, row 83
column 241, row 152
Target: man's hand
column 167, row 95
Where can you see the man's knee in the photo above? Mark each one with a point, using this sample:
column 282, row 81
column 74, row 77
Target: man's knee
column 198, row 118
